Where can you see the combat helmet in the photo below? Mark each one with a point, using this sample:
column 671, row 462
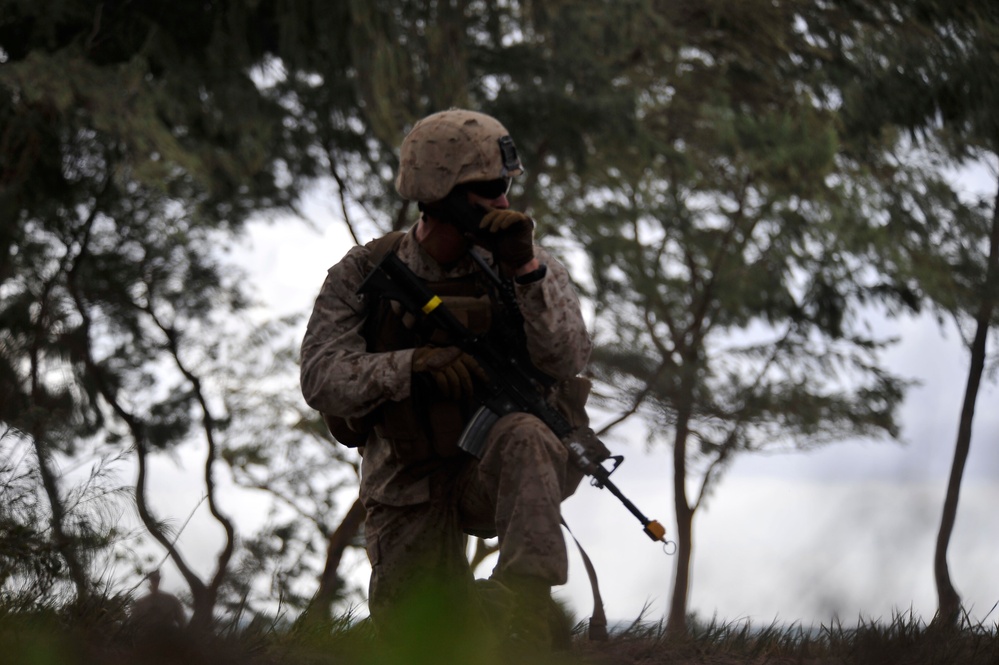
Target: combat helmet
column 450, row 148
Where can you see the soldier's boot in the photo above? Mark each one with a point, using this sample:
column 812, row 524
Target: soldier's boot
column 495, row 603
column 534, row 615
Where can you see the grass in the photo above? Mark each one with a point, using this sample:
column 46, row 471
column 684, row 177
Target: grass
column 101, row 636
column 905, row 639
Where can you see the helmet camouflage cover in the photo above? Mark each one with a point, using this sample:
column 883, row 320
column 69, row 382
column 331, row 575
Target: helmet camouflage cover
column 450, row 148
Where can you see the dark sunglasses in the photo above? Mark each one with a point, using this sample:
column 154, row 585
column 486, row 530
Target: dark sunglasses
column 489, row 189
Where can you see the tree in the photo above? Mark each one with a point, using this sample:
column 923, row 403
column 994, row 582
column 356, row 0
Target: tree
column 935, row 64
column 133, row 142
column 283, row 450
column 731, row 248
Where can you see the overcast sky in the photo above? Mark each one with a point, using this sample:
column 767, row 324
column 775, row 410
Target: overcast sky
column 844, row 532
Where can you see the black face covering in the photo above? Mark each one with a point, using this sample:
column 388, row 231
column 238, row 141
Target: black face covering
column 455, row 209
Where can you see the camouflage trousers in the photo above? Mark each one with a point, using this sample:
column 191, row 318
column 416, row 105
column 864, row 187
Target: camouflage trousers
column 515, row 491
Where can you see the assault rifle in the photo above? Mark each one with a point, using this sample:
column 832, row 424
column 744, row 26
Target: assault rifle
column 510, row 387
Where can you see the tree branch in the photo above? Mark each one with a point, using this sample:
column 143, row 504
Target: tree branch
column 203, row 617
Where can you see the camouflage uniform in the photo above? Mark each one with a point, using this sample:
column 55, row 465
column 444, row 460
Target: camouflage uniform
column 418, row 512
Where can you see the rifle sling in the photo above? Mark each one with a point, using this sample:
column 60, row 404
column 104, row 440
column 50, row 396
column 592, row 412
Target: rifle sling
column 598, row 622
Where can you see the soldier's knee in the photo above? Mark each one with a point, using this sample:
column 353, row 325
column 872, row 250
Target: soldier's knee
column 522, row 436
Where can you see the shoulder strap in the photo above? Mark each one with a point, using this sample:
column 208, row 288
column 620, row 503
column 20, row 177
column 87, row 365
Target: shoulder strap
column 381, row 246
column 341, row 428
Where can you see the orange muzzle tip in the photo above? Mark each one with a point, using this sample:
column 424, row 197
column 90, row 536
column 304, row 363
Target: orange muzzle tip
column 656, row 530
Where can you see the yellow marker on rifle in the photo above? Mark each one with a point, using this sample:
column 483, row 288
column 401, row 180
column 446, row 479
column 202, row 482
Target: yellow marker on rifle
column 431, row 305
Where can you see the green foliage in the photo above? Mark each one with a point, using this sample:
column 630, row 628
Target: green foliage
column 133, row 143
column 30, row 566
column 730, row 267
column 33, row 568
column 932, row 60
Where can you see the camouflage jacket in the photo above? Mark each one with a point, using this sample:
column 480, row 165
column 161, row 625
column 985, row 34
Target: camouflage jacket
column 340, row 377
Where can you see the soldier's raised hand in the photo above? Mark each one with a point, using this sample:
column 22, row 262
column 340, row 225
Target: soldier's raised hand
column 509, row 235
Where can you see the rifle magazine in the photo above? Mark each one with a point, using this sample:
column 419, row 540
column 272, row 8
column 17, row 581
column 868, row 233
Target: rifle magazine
column 473, row 437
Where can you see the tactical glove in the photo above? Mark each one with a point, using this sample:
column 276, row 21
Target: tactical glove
column 452, row 370
column 509, row 235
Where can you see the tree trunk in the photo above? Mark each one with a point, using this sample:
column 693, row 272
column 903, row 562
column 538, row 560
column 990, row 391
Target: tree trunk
column 64, row 544
column 676, row 624
column 949, row 602
column 329, row 582
column 42, row 447
column 197, row 587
